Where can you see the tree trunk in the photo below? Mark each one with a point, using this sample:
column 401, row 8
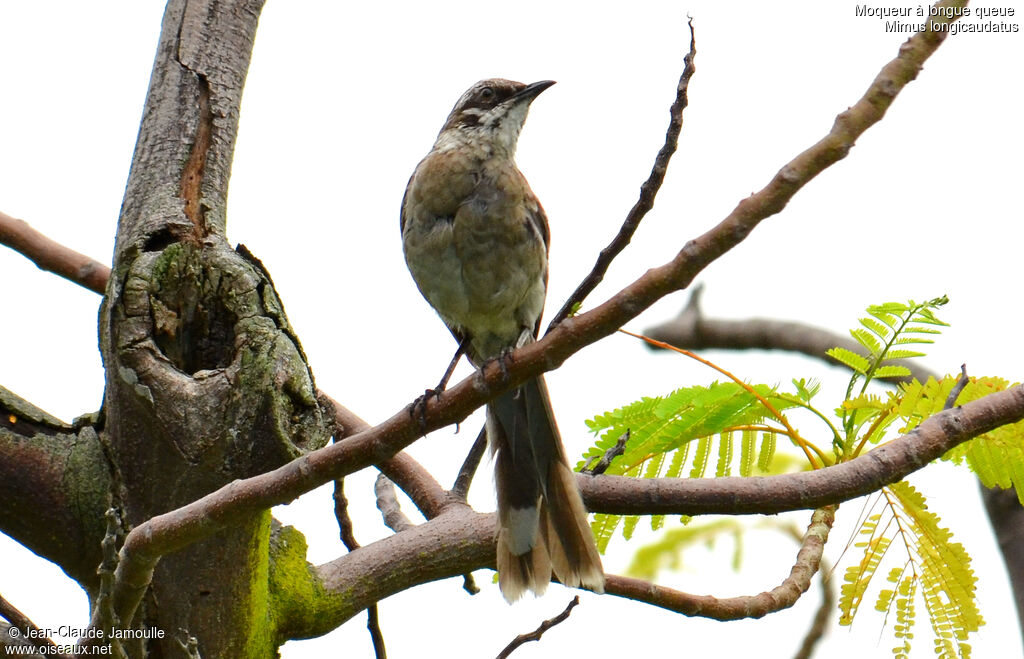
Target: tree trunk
column 205, row 382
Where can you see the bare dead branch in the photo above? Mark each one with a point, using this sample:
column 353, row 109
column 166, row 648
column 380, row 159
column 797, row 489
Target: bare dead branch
column 52, row 256
column 690, row 329
column 537, row 633
column 648, row 192
column 958, row 388
column 349, row 539
column 376, row 636
column 609, row 455
column 345, row 530
column 460, row 490
column 387, row 504
column 734, row 608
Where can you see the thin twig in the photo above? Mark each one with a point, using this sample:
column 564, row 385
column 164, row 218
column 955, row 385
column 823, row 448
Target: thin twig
column 460, row 490
column 387, row 504
column 376, row 636
column 27, row 628
column 648, row 191
column 609, row 455
column 341, row 514
column 349, row 538
column 537, row 633
column 958, row 388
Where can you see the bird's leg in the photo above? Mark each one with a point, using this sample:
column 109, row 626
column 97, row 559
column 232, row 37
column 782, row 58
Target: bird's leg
column 443, row 384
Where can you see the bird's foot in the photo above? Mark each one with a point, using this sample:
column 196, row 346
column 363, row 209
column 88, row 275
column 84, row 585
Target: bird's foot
column 418, row 407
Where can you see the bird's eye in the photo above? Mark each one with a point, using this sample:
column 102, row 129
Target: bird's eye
column 487, row 93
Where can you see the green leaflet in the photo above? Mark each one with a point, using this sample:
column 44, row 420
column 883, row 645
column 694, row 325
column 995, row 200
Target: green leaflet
column 667, row 552
column 662, row 424
column 997, row 457
column 932, row 564
column 886, row 326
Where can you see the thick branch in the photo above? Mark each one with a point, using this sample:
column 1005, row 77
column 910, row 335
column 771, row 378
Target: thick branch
column 52, row 256
column 54, row 482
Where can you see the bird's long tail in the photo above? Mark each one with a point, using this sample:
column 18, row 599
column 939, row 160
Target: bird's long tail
column 542, row 524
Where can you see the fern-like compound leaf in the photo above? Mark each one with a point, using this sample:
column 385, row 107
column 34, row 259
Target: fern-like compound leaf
column 850, row 359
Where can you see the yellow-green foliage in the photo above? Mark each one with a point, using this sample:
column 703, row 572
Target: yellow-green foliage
column 724, row 429
column 887, row 327
column 662, row 430
column 997, row 457
column 928, row 561
column 667, row 552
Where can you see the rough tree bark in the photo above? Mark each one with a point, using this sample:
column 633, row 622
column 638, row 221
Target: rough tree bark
column 205, row 382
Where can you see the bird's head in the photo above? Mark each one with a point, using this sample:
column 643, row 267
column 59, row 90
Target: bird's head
column 491, row 112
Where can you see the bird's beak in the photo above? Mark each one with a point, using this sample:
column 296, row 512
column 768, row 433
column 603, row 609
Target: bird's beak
column 531, row 91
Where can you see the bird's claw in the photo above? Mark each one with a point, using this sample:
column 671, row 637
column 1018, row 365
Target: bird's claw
column 418, row 408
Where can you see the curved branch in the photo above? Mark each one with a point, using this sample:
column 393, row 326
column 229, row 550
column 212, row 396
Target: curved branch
column 781, row 597
column 29, row 632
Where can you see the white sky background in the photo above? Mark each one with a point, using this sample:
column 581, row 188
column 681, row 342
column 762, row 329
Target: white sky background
column 342, row 102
